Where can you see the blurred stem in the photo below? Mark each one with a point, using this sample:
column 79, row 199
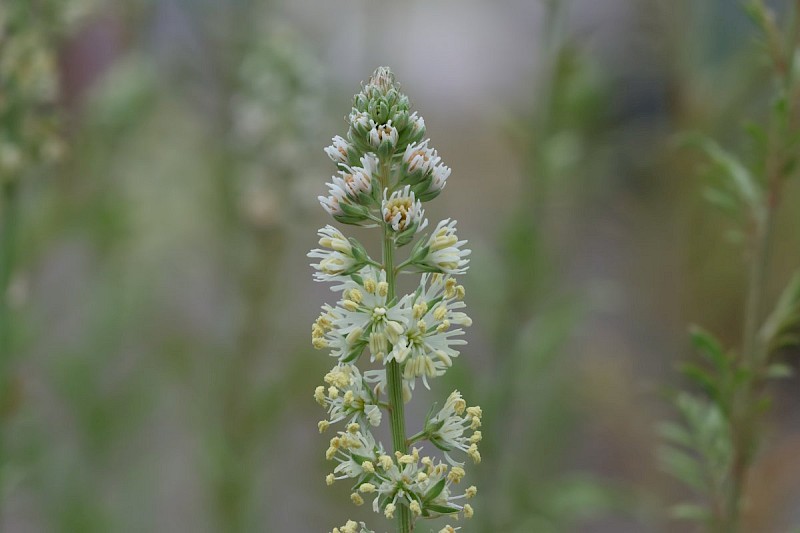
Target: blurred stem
column 394, row 377
column 755, row 356
column 10, row 215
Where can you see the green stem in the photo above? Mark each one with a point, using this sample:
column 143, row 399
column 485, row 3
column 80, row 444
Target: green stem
column 394, row 376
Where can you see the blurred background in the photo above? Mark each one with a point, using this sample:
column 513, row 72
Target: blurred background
column 160, row 162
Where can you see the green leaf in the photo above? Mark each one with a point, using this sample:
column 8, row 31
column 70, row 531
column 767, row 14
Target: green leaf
column 675, row 433
column 736, row 173
column 701, row 377
column 780, row 326
column 688, row 511
column 682, row 466
column 779, row 370
column 709, row 346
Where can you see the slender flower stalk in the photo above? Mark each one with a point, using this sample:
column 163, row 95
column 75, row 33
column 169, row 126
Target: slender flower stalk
column 385, row 174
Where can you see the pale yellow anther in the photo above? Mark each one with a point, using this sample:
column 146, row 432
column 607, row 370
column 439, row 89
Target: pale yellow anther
column 447, row 529
column 450, row 288
column 476, row 437
column 475, row 411
column 323, row 425
column 415, row 508
column 350, row 305
column 415, row 454
column 383, row 288
column 474, row 454
column 427, row 461
column 333, row 392
column 422, row 326
column 459, row 405
column 356, row 296
column 405, row 459
column 385, row 462
column 421, row 477
column 444, row 326
column 368, row 467
column 419, row 310
column 369, row 286
column 460, row 292
column 440, row 312
column 329, row 479
column 389, row 511
column 319, row 343
column 456, row 474
column 476, row 423
column 366, row 488
column 354, row 336
column 357, row 499
column 347, row 399
column 330, row 453
column 468, row 512
column 353, row 427
column 319, row 395
column 471, row 491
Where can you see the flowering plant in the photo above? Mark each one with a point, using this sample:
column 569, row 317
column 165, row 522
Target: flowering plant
column 386, row 172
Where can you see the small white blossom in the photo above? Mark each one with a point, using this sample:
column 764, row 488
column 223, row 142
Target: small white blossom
column 445, row 250
column 402, row 210
column 449, row 425
column 338, row 151
column 381, row 133
column 348, row 185
column 427, row 346
column 419, row 158
column 336, row 259
column 354, row 402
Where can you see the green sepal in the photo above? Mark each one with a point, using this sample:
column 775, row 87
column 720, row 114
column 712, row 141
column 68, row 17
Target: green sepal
column 359, row 252
column 354, row 353
column 429, row 195
column 434, row 491
column 422, row 186
column 441, row 509
column 354, row 210
column 345, row 219
column 407, row 235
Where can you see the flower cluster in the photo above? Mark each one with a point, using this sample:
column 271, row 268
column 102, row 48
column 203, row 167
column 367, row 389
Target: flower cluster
column 385, row 173
column 29, row 129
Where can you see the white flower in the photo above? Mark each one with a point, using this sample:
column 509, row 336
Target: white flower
column 426, row 348
column 417, row 125
column 448, row 427
column 382, row 79
column 444, row 249
column 352, row 400
column 338, row 151
column 348, row 185
column 381, row 133
column 360, row 120
column 363, row 309
column 419, row 158
column 337, row 259
column 402, row 210
column 439, row 177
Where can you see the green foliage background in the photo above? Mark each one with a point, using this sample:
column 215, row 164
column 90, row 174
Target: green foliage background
column 157, row 371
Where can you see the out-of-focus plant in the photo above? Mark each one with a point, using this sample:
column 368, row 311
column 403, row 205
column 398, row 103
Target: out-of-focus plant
column 30, row 141
column 536, row 313
column 714, row 446
column 385, row 173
